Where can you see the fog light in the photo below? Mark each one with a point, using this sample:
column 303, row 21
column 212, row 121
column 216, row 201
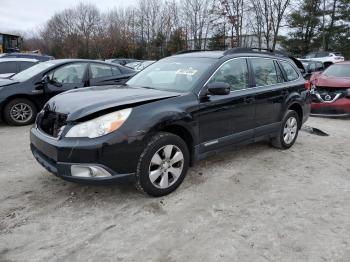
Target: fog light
column 89, row 171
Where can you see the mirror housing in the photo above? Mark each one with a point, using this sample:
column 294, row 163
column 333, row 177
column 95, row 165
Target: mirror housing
column 218, row 88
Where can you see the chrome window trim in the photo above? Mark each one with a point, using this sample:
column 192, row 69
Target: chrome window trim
column 254, row 87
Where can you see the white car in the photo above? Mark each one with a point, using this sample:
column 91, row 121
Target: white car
column 327, row 58
column 12, row 66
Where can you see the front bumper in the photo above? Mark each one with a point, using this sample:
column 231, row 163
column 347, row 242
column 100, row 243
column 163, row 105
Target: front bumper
column 340, row 108
column 112, row 155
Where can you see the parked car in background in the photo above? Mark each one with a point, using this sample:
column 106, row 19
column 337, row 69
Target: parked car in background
column 311, row 67
column 140, row 65
column 144, row 64
column 327, row 58
column 24, row 94
column 133, row 65
column 11, row 66
column 40, row 58
column 121, row 61
column 168, row 116
column 331, row 91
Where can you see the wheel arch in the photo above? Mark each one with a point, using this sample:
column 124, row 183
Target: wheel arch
column 184, row 133
column 17, row 96
column 298, row 109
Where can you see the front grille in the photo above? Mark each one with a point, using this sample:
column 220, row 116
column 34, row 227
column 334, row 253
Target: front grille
column 52, row 123
column 328, row 94
column 326, row 89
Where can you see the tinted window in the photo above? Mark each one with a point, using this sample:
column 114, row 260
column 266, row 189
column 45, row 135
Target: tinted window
column 115, row 71
column 100, row 70
column 291, row 73
column 322, row 54
column 234, row 73
column 25, row 65
column 69, row 74
column 265, row 72
column 8, row 67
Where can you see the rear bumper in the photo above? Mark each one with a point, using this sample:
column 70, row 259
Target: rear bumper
column 340, row 108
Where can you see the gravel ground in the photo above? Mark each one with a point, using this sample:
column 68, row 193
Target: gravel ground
column 252, row 204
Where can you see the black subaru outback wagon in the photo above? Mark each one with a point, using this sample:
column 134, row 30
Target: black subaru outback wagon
column 179, row 110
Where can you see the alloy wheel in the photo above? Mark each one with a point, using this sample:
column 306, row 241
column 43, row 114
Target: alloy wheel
column 21, row 112
column 290, row 130
column 166, row 166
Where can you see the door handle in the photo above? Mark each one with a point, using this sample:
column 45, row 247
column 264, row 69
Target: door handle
column 249, row 99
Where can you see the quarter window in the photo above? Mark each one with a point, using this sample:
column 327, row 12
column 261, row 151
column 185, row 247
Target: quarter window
column 234, row 73
column 291, row 73
column 265, row 72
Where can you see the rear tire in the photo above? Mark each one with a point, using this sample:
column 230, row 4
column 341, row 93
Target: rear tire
column 163, row 165
column 20, row 112
column 288, row 132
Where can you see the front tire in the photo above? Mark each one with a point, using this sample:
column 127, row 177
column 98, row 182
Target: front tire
column 163, row 165
column 20, row 112
column 288, row 132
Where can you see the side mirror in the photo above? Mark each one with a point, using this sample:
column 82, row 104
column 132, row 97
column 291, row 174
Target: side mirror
column 45, row 80
column 218, row 88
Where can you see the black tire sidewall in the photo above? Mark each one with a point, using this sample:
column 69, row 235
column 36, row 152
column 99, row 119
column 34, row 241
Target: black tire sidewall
column 7, row 113
column 289, row 114
column 157, row 142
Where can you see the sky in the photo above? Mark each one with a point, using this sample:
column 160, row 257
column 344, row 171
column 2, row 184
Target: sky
column 28, row 15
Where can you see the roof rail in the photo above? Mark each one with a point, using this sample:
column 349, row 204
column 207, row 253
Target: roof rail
column 253, row 50
column 189, row 51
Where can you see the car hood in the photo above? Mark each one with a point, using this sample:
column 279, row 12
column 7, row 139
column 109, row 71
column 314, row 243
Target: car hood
column 330, row 81
column 82, row 102
column 7, row 82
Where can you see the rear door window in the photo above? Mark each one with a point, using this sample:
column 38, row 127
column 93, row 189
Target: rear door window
column 100, row 70
column 8, row 67
column 291, row 73
column 265, row 72
column 115, row 71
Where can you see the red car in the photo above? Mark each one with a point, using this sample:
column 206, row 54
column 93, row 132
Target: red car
column 331, row 91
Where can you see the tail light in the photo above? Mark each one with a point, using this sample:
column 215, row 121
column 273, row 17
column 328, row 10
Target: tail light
column 307, row 85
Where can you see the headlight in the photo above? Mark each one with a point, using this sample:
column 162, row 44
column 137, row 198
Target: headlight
column 100, row 126
column 348, row 92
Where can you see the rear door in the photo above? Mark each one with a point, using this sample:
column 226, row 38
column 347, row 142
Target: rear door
column 103, row 74
column 270, row 94
column 227, row 119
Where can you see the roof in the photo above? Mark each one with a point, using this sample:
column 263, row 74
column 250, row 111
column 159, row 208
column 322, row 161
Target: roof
column 9, row 34
column 202, row 54
column 232, row 51
column 18, row 60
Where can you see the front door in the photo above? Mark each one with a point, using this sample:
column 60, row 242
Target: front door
column 227, row 119
column 65, row 78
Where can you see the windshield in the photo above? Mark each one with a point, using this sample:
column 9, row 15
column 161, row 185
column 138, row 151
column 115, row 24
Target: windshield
column 173, row 74
column 339, row 70
column 32, row 71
